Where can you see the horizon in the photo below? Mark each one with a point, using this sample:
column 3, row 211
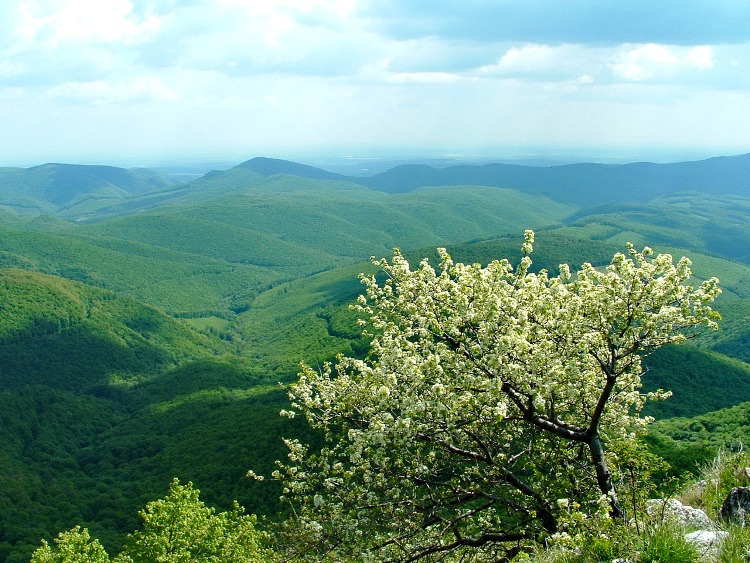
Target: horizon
column 143, row 82
column 376, row 161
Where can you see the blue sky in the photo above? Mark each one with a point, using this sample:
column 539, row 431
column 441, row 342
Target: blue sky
column 146, row 81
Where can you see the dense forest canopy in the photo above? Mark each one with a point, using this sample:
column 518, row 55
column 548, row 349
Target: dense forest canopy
column 145, row 323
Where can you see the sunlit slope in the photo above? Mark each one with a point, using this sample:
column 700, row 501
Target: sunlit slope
column 73, row 336
column 103, row 400
column 713, row 223
column 310, row 320
column 286, row 216
column 51, row 188
column 176, row 280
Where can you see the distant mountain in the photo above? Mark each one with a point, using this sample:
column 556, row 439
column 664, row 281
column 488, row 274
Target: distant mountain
column 580, row 184
column 88, row 193
column 583, row 185
column 270, row 166
column 50, row 187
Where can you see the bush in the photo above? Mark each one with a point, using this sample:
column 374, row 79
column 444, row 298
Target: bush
column 667, row 544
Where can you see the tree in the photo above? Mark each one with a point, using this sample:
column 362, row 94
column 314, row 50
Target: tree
column 179, row 528
column 493, row 412
column 182, row 529
column 73, row 546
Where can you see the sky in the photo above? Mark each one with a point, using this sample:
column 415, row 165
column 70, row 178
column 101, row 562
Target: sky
column 149, row 81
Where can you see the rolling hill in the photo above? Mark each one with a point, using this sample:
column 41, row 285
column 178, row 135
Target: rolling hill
column 89, row 193
column 103, row 400
column 144, row 324
column 583, row 185
column 53, row 188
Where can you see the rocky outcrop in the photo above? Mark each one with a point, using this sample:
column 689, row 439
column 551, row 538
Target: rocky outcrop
column 673, row 510
column 736, row 506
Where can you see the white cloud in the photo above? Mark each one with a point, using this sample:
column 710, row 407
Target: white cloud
column 140, row 89
column 641, row 63
column 701, row 56
column 336, row 71
column 51, row 22
column 543, row 62
column 423, row 78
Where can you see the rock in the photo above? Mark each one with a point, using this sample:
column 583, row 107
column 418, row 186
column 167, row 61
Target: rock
column 736, row 506
column 707, row 542
column 673, row 509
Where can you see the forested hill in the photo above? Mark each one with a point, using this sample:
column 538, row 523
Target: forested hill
column 104, row 399
column 198, row 298
column 578, row 184
column 86, row 193
column 49, row 187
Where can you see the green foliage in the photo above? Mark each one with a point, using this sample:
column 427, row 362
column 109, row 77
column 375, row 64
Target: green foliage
column 479, row 419
column 73, row 546
column 718, row 477
column 667, row 544
column 102, row 400
column 688, row 444
column 174, row 280
column 179, row 528
column 735, row 548
column 701, row 381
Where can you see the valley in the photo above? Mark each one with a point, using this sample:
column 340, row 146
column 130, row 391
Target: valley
column 145, row 323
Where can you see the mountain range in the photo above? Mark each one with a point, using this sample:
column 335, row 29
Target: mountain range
column 66, row 189
column 145, row 323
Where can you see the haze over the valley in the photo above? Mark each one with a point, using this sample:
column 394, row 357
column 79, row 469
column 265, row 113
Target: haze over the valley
column 338, row 83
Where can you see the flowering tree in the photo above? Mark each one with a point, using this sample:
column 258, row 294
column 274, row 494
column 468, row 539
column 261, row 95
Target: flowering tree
column 491, row 409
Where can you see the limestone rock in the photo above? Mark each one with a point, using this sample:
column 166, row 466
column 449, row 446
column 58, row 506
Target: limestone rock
column 673, row 509
column 707, row 542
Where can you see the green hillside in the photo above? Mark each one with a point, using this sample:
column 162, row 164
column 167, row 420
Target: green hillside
column 53, row 188
column 175, row 280
column 198, row 298
column 717, row 224
column 103, row 400
column 334, row 218
column 213, row 256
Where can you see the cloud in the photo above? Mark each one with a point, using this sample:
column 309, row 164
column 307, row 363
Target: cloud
column 50, row 22
column 423, row 78
column 348, row 71
column 543, row 62
column 660, row 62
column 702, row 57
column 140, row 89
column 640, row 63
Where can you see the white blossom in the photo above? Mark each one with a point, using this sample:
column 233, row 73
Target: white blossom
column 492, row 395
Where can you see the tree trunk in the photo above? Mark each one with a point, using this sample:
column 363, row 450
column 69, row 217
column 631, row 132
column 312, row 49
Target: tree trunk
column 604, row 477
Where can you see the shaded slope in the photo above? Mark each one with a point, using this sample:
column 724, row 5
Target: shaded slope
column 580, row 184
column 709, row 223
column 701, row 381
column 103, row 400
column 71, row 336
column 49, row 188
